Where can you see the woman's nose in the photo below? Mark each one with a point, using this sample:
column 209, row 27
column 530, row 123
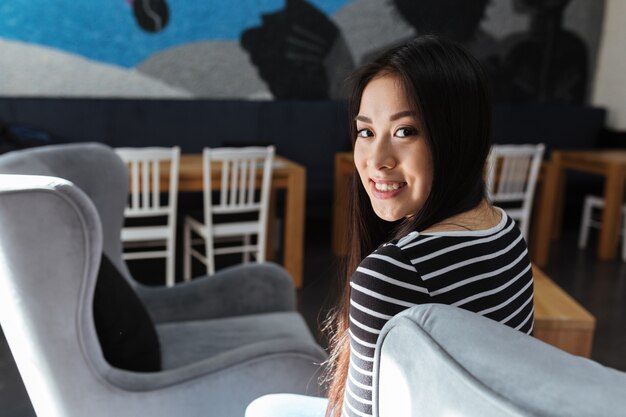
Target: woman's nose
column 382, row 156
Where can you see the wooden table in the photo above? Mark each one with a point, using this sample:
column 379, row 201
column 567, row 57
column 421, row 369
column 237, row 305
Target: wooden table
column 286, row 175
column 609, row 163
column 559, row 319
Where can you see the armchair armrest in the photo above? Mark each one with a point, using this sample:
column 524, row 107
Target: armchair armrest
column 235, row 291
column 220, row 386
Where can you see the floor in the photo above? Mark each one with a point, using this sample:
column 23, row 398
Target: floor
column 599, row 286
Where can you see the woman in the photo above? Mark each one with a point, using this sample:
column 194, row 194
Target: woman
column 421, row 129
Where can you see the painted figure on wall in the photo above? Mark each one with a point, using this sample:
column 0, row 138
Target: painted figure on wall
column 459, row 20
column 151, row 15
column 548, row 63
column 293, row 51
column 455, row 19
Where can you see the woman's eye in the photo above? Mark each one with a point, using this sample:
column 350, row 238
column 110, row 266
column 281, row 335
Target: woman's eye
column 364, row 133
column 404, row 132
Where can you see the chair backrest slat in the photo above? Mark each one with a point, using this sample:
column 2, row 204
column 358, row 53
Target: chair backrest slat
column 251, row 179
column 242, row 183
column 156, row 181
column 233, row 183
column 224, row 188
column 145, row 187
column 135, row 184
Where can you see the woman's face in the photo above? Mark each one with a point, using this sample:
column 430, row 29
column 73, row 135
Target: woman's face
column 390, row 152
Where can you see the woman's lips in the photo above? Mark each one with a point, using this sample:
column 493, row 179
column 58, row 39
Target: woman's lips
column 386, row 189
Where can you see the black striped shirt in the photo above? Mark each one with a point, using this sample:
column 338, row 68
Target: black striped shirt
column 487, row 272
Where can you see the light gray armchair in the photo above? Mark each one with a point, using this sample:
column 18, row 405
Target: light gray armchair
column 437, row 360
column 221, row 344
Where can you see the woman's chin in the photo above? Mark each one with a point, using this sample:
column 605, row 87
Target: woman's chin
column 389, row 217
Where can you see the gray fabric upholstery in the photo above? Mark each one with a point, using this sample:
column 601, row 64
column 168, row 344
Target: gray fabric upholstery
column 188, row 342
column 438, row 360
column 98, row 171
column 50, row 249
column 95, row 169
column 234, row 291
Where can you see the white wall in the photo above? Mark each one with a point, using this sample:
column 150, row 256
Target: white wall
column 610, row 82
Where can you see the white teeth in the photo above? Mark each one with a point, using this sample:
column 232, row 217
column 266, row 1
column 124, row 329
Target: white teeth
column 387, row 187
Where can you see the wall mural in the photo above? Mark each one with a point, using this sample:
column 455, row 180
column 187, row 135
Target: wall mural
column 534, row 50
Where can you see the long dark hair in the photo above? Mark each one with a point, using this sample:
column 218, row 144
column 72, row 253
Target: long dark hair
column 447, row 88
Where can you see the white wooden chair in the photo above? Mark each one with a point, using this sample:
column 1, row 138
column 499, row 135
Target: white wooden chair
column 144, row 167
column 239, row 194
column 512, row 172
column 588, row 221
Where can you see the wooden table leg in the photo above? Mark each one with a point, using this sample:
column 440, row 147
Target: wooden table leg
column 294, row 225
column 557, row 222
column 549, row 199
column 613, row 199
column 270, row 247
column 340, row 207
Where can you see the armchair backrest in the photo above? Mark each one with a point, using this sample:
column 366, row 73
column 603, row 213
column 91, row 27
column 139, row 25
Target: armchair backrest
column 94, row 168
column 439, row 360
column 50, row 249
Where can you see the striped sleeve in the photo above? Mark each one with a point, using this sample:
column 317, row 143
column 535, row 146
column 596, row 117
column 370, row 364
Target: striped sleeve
column 384, row 284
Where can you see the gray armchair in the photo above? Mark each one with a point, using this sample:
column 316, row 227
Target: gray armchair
column 437, row 360
column 222, row 344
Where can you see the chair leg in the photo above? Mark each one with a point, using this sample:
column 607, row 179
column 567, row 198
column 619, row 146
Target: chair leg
column 245, row 256
column 169, row 265
column 187, row 252
column 210, row 258
column 585, row 225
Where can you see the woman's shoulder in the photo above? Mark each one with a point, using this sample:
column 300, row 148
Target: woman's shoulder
column 416, row 247
column 387, row 266
column 425, row 245
column 482, row 220
column 389, row 255
column 397, row 251
column 399, row 245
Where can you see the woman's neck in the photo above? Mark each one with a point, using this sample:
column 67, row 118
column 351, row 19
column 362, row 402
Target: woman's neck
column 483, row 216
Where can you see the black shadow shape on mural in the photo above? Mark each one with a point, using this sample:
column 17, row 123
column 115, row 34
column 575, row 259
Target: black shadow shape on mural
column 289, row 50
column 455, row 19
column 151, row 15
column 548, row 63
column 458, row 20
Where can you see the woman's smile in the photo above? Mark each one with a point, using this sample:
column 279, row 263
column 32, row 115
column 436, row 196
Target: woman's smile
column 386, row 189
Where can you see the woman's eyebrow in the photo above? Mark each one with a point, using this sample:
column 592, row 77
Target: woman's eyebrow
column 392, row 118
column 402, row 114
